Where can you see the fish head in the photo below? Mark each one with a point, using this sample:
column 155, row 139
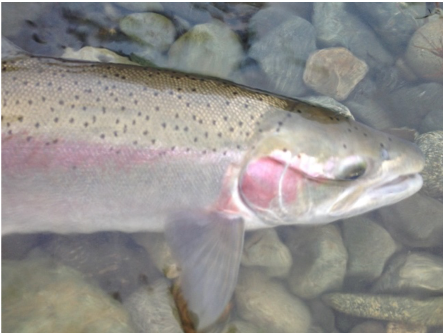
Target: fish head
column 316, row 167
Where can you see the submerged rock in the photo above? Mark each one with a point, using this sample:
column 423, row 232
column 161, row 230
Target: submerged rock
column 238, row 326
column 210, row 49
column 393, row 327
column 150, row 29
column 337, row 26
column 334, row 72
column 433, row 120
column 41, row 296
column 264, row 249
column 369, row 327
column 431, row 144
column 409, row 105
column 414, row 272
column 110, row 258
column 153, row 309
column 319, row 260
column 154, row 32
column 331, row 104
column 141, row 6
column 425, row 51
column 269, row 305
column 428, row 312
column 160, row 252
column 369, row 247
column 366, row 108
column 282, row 54
column 416, row 221
column 267, row 19
column 393, row 22
column 89, row 53
column 322, row 315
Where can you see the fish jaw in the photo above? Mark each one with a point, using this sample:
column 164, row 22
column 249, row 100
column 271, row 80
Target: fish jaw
column 298, row 176
column 392, row 192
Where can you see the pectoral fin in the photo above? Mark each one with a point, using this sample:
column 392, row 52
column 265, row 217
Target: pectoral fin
column 208, row 247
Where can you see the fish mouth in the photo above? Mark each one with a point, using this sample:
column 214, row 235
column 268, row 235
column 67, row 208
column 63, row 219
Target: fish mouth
column 379, row 195
column 402, row 186
column 402, row 183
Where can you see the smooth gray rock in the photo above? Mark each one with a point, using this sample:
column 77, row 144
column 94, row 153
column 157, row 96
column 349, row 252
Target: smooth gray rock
column 151, row 29
column 41, row 29
column 154, row 32
column 142, row 6
column 282, row 54
column 17, row 246
column 394, row 23
column 110, row 258
column 409, row 105
column 337, row 26
column 371, row 113
column 152, row 309
column 269, row 305
column 42, row 296
column 416, row 221
column 210, row 49
column 239, row 326
column 316, row 329
column 301, row 9
column 413, row 272
column 267, row 19
column 433, row 121
column 191, row 13
column 367, row 109
column 369, row 247
column 319, row 259
column 322, row 315
column 436, row 330
column 369, row 327
column 263, row 248
column 14, row 14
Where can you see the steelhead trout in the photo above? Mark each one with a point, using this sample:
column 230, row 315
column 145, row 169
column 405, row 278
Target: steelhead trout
column 90, row 147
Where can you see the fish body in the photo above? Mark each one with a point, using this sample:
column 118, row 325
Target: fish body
column 93, row 147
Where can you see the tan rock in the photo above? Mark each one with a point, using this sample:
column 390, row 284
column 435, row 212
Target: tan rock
column 334, row 72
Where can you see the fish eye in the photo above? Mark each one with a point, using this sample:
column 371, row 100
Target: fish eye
column 352, row 170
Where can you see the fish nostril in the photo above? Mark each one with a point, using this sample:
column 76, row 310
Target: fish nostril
column 384, row 154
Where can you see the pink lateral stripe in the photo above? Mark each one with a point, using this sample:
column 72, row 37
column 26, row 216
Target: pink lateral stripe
column 18, row 153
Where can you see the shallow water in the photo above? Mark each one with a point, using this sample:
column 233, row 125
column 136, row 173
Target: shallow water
column 409, row 261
